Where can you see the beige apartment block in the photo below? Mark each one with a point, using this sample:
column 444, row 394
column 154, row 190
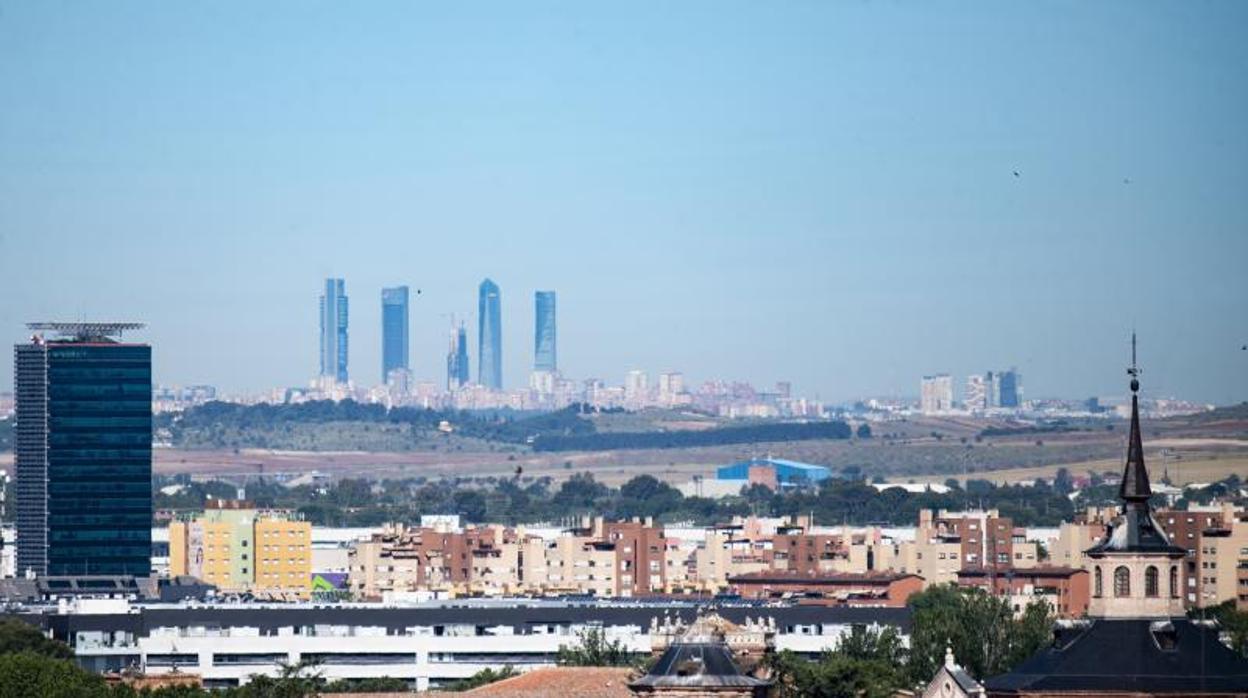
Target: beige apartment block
column 1026, row 552
column 375, row 568
column 935, row 560
column 727, row 553
column 870, row 551
column 581, row 564
column 241, row 549
column 1222, row 551
column 1072, row 539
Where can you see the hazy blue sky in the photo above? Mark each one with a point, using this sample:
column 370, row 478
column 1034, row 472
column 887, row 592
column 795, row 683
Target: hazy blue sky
column 815, row 191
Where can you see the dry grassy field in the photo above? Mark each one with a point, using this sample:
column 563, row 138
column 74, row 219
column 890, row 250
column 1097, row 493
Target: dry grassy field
column 1190, row 450
column 1182, row 472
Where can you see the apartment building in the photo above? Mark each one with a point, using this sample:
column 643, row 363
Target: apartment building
column 579, row 564
column 483, row 560
column 1186, row 529
column 1064, row 588
column 640, row 551
column 241, row 549
column 986, row 539
column 1073, row 538
column 793, row 549
column 727, row 551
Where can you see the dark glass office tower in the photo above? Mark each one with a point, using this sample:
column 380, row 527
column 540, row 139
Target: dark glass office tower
column 393, row 330
column 489, row 336
column 334, row 330
column 83, row 451
column 545, row 357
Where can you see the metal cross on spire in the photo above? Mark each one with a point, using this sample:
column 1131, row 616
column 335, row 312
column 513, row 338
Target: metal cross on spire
column 1134, row 371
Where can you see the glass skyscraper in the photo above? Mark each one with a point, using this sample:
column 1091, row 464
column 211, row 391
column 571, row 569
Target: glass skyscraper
column 394, row 314
column 457, row 360
column 334, row 331
column 545, row 357
column 489, row 336
column 1011, row 388
column 83, row 452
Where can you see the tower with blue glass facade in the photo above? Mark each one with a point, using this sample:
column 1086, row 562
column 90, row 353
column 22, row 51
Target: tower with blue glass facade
column 457, row 360
column 334, row 331
column 489, row 336
column 394, row 314
column 545, row 356
column 1010, row 385
column 83, row 451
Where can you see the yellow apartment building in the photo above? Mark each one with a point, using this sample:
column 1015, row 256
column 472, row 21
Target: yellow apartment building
column 238, row 548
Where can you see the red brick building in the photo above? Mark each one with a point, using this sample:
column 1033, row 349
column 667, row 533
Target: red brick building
column 833, row 589
column 640, row 557
column 795, row 550
column 1065, row 588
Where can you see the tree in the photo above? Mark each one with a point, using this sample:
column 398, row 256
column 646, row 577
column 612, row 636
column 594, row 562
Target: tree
column 471, row 505
column 867, row 663
column 302, row 680
column 641, row 487
column 594, row 649
column 1233, row 621
column 981, row 630
column 870, row 644
column 384, row 684
column 27, row 674
column 864, row 431
column 579, row 492
column 16, row 636
column 1063, row 483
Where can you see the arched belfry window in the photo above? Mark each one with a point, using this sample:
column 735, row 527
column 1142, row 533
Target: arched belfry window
column 1099, row 583
column 1150, row 582
column 1122, row 581
column 1174, row 582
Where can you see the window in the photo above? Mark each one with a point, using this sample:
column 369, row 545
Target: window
column 1122, row 582
column 1150, row 582
column 1098, row 583
column 1174, row 582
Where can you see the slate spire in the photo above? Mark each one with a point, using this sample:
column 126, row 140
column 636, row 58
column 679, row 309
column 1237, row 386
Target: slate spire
column 1135, row 487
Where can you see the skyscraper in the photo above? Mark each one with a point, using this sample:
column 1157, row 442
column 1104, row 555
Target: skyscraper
column 936, row 394
column 976, row 393
column 1010, row 388
column 457, row 359
column 545, row 357
column 334, row 331
column 489, row 336
column 394, row 313
column 83, row 451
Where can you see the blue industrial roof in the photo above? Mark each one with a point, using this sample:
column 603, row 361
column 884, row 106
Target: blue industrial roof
column 780, row 462
column 808, row 471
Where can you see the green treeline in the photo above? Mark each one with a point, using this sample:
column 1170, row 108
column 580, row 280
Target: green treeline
column 230, row 425
column 754, row 433
column 511, row 501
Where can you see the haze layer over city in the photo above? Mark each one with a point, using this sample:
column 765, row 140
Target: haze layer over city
column 843, row 196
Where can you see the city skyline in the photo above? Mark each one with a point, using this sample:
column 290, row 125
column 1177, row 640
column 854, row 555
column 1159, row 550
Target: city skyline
column 836, row 206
